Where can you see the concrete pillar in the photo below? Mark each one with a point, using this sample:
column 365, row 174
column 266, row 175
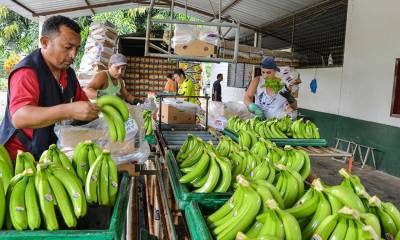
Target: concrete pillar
column 41, row 21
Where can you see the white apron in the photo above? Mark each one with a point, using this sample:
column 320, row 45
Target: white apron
column 273, row 106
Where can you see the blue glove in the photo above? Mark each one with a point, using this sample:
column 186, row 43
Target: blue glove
column 253, row 108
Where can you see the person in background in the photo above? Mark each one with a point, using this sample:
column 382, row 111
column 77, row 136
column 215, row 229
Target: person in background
column 216, row 92
column 171, row 86
column 110, row 82
column 43, row 89
column 186, row 86
column 269, row 102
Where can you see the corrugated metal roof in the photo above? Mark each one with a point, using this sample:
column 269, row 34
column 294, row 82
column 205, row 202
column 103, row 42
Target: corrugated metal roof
column 251, row 13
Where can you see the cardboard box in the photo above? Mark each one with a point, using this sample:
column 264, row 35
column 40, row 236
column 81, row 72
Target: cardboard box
column 172, row 115
column 195, row 48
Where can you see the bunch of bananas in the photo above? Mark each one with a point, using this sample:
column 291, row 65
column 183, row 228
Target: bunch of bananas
column 85, row 155
column 148, row 123
column 252, row 167
column 205, row 170
column 307, row 129
column 289, row 184
column 101, row 185
column 56, row 186
column 33, row 194
column 10, row 62
column 321, row 201
column 253, row 207
column 6, row 168
column 55, row 155
column 275, row 128
column 23, row 209
column 296, row 160
column 388, row 215
column 247, row 139
column 348, row 224
column 116, row 114
column 226, row 146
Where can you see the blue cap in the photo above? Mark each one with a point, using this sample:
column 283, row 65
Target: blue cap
column 269, row 63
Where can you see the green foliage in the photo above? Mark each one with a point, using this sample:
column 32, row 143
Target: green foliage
column 20, row 35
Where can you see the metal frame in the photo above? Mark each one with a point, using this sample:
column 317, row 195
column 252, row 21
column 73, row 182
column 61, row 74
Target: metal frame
column 169, row 55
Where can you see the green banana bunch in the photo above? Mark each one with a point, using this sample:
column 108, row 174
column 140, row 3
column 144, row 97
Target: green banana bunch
column 290, row 185
column 307, row 129
column 15, row 199
column 84, row 156
column 6, row 168
column 227, row 221
column 206, row 170
column 101, row 185
column 388, row 215
column 346, row 196
column 348, row 224
column 188, row 147
column 275, row 130
column 116, row 114
column 354, row 182
column 55, row 155
column 247, row 139
column 226, row 146
column 296, row 160
column 59, row 190
column 148, row 123
column 276, row 222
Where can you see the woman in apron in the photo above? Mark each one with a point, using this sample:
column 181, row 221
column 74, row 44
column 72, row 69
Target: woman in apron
column 272, row 99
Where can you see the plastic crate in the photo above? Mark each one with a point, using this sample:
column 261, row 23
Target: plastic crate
column 303, row 142
column 182, row 193
column 100, row 222
column 195, row 212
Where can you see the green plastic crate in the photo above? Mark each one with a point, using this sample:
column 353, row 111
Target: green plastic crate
column 181, row 192
column 114, row 231
column 195, row 213
column 306, row 142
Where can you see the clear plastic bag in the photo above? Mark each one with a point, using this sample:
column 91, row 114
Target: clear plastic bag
column 184, row 34
column 133, row 149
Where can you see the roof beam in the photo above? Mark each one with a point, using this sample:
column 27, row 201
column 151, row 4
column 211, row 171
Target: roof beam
column 226, row 9
column 23, row 6
column 94, row 6
column 91, row 9
column 242, row 24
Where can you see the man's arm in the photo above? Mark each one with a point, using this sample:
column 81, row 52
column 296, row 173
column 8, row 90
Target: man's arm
column 38, row 117
column 125, row 94
column 97, row 83
column 251, row 91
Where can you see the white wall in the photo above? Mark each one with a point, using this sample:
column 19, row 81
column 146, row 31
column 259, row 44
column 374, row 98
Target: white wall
column 364, row 89
column 372, row 45
column 228, row 93
column 328, row 89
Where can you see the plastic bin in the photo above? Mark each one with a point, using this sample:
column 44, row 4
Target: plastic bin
column 182, row 193
column 100, row 222
column 194, row 213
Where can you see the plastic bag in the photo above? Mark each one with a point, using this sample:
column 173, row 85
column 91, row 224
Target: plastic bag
column 236, row 109
column 133, row 149
column 184, row 34
column 209, row 34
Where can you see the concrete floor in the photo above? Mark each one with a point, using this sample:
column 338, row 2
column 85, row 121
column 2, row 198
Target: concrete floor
column 376, row 182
